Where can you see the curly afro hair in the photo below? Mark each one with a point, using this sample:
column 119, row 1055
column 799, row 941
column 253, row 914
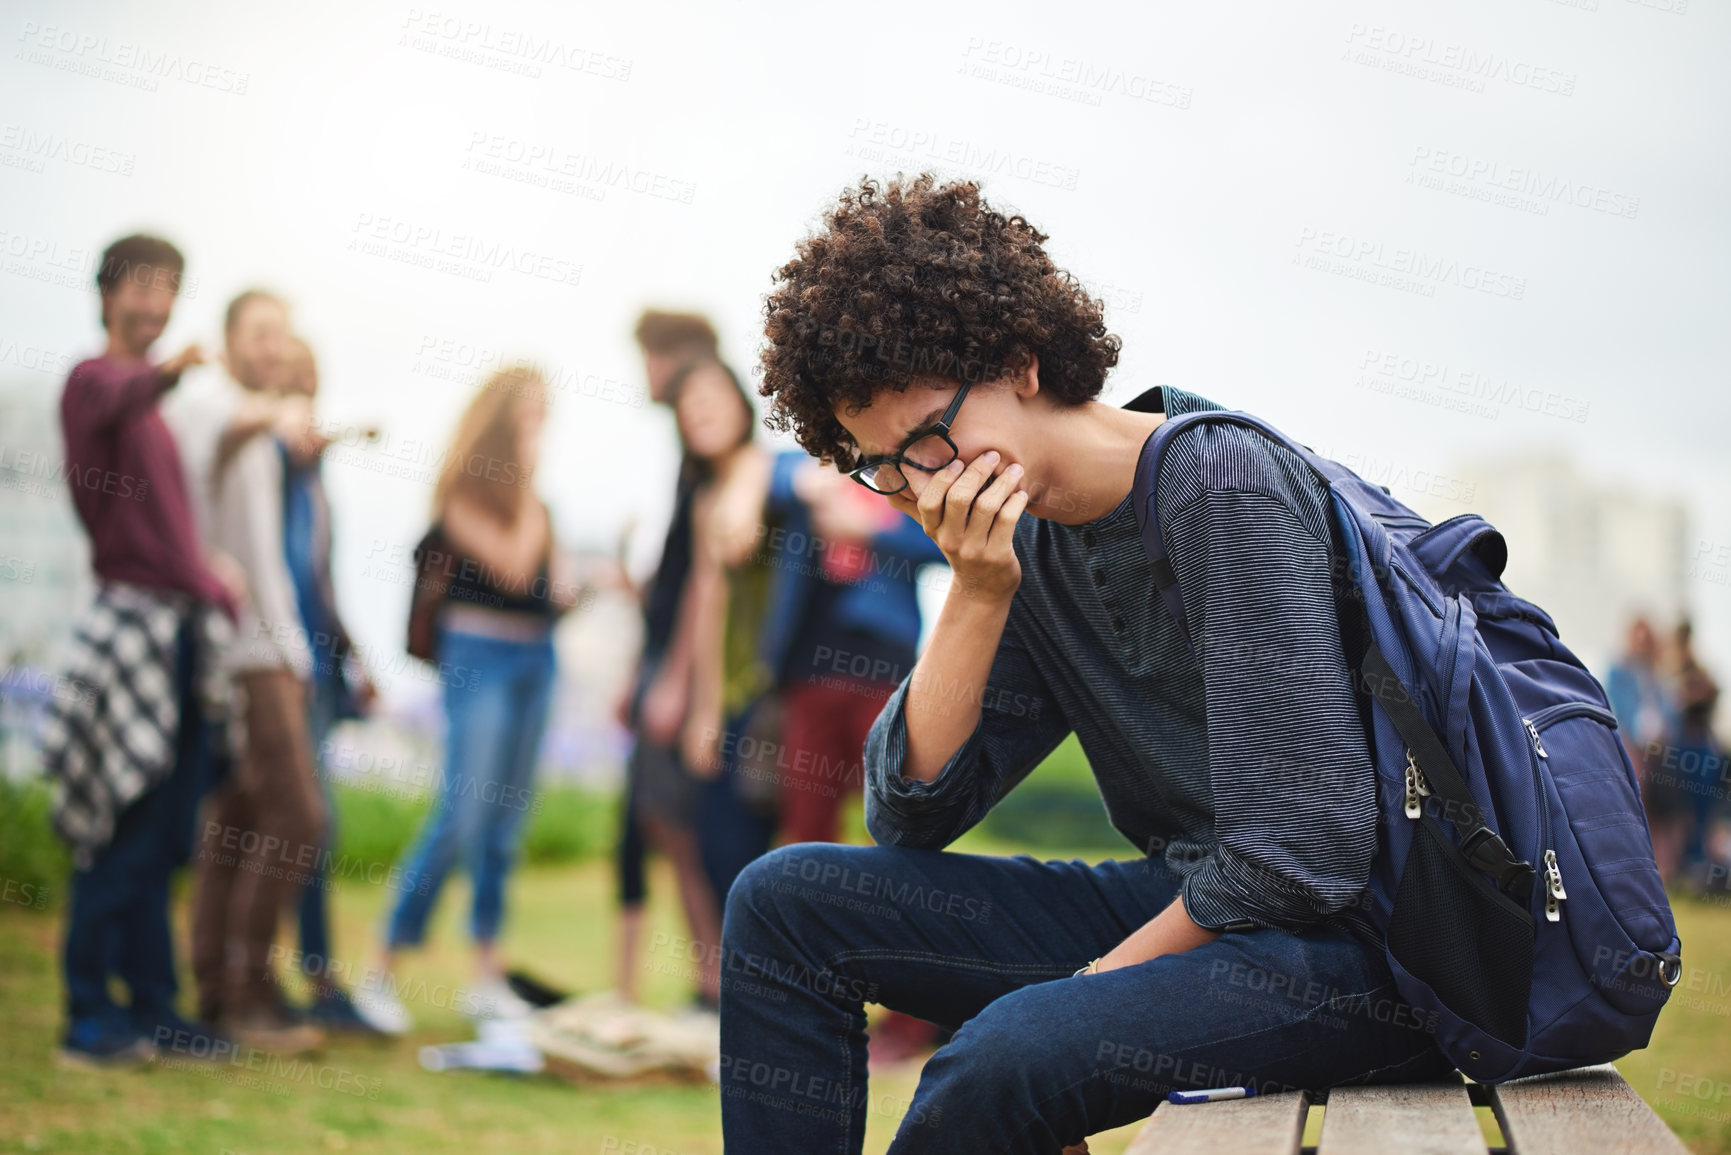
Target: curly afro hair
column 916, row 281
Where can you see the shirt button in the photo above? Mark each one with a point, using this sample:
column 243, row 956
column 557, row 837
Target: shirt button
column 1088, row 538
column 1118, row 624
column 1099, row 577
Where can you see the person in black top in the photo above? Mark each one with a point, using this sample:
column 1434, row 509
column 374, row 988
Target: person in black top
column 660, row 806
column 508, row 583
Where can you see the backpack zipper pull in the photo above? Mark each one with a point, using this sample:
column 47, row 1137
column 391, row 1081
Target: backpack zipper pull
column 1416, row 787
column 1554, row 892
column 1533, row 733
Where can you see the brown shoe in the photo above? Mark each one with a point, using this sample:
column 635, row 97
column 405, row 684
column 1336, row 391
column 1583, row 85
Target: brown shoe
column 274, row 1033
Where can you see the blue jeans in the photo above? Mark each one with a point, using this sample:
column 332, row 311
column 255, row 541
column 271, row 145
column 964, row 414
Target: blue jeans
column 117, row 923
column 731, row 832
column 988, row 945
column 495, row 715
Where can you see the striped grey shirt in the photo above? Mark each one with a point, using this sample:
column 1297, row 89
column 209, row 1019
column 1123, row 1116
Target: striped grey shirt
column 1242, row 765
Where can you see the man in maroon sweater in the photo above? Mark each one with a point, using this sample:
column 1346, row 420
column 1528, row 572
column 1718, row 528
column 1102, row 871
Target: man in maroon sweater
column 132, row 747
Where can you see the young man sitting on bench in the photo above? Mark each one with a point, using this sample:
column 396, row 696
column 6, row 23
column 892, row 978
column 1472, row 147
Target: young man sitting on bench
column 929, row 345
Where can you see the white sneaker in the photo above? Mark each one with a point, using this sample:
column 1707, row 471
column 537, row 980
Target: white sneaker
column 503, row 1045
column 378, row 1005
column 496, row 1000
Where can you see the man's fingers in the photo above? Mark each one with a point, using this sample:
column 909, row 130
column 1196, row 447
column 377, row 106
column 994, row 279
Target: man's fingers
column 960, row 498
column 1003, row 532
column 931, row 503
column 987, row 504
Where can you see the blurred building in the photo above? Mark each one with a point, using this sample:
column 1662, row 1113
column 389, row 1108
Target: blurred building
column 1590, row 552
column 44, row 562
column 44, row 559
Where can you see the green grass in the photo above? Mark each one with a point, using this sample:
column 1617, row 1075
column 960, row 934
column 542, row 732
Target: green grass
column 33, row 863
column 566, row 824
column 561, row 926
column 1058, row 806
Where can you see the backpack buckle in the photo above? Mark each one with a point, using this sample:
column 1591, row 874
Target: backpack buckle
column 1490, row 856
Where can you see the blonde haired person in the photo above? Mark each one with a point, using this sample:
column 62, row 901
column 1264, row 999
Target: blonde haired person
column 494, row 646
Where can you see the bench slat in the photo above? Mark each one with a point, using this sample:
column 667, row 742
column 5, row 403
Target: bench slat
column 1264, row 1125
column 1580, row 1112
column 1435, row 1119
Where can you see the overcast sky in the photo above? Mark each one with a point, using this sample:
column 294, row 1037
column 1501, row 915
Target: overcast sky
column 1529, row 196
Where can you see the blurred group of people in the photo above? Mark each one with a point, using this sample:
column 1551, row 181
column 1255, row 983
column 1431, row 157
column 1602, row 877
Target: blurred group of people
column 213, row 664
column 206, row 673
column 1664, row 700
column 781, row 616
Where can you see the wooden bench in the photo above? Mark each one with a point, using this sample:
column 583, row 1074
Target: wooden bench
column 1578, row 1112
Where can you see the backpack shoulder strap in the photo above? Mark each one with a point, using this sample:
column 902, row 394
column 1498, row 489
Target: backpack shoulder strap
column 1146, row 493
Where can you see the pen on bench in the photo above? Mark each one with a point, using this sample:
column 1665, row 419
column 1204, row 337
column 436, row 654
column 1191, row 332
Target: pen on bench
column 1212, row 1095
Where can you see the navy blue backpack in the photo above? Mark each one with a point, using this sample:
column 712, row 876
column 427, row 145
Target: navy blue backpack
column 1514, row 881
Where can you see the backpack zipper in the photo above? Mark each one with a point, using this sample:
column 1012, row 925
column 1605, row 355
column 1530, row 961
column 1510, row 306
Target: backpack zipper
column 1533, row 733
column 1416, row 787
column 1554, row 892
column 1551, row 715
column 1553, row 873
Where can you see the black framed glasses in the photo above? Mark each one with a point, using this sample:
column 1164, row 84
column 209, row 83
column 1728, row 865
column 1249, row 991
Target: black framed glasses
column 927, row 451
